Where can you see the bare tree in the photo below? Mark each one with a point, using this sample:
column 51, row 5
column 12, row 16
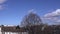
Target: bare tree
column 31, row 19
column 31, row 22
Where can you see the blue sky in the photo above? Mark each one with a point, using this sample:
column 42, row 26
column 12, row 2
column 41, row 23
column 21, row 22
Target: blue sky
column 12, row 11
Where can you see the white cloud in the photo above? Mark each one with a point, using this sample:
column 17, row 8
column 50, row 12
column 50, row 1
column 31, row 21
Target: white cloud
column 32, row 10
column 2, row 1
column 2, row 6
column 53, row 16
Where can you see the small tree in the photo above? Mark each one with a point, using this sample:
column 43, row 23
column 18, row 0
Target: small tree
column 17, row 27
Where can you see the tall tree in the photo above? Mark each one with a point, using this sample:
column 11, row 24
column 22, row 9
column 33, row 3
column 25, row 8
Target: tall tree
column 31, row 19
column 31, row 22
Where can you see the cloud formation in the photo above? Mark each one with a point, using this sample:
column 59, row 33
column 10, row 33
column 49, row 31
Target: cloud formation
column 1, row 4
column 2, row 1
column 32, row 10
column 53, row 16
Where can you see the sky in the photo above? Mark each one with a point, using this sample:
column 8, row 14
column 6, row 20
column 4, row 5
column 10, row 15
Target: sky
column 13, row 11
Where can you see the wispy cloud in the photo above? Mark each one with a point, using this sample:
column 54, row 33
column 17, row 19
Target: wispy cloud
column 2, row 1
column 32, row 10
column 53, row 16
column 1, row 4
column 1, row 7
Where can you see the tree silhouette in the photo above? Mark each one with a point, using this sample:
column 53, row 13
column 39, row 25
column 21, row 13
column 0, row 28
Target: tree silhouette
column 31, row 22
column 31, row 19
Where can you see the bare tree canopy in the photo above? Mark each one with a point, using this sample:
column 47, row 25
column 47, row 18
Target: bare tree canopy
column 31, row 19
